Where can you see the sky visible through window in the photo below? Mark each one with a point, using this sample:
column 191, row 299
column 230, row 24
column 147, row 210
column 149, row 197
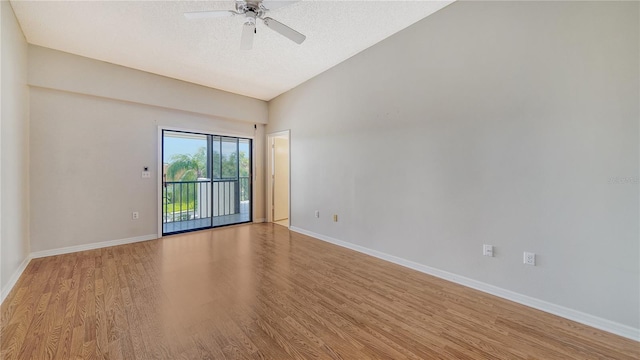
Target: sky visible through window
column 173, row 146
column 176, row 145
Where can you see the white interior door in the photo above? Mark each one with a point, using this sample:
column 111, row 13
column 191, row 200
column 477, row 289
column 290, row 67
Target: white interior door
column 280, row 178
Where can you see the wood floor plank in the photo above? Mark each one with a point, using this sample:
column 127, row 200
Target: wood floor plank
column 262, row 292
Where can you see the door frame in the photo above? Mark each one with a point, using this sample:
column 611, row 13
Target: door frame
column 159, row 165
column 270, row 170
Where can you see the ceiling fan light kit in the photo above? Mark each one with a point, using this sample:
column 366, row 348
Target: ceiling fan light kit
column 252, row 10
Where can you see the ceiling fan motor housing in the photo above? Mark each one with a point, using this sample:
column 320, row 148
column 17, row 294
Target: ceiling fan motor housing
column 251, row 6
column 250, row 18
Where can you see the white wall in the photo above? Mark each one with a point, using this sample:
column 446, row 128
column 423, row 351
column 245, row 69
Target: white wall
column 14, row 130
column 87, row 152
column 63, row 71
column 486, row 123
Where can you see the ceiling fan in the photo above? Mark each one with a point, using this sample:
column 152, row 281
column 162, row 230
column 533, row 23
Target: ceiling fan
column 252, row 10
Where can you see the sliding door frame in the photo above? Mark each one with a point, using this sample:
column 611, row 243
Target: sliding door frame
column 159, row 168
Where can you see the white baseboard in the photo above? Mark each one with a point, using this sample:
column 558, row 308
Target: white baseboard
column 14, row 279
column 260, row 220
column 92, row 246
column 577, row 316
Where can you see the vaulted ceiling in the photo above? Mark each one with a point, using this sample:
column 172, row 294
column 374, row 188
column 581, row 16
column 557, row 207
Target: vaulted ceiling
column 155, row 36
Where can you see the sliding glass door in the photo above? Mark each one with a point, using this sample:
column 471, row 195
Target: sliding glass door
column 206, row 181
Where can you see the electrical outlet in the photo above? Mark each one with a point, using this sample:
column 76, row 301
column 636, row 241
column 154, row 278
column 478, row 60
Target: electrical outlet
column 335, row 217
column 530, row 258
column 135, row 215
column 487, row 250
column 317, row 213
column 146, row 174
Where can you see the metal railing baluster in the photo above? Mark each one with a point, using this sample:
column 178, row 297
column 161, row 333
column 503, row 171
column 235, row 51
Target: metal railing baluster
column 187, row 200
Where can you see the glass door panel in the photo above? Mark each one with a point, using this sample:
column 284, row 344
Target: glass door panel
column 186, row 188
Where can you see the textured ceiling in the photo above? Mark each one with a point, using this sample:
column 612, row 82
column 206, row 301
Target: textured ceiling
column 154, row 36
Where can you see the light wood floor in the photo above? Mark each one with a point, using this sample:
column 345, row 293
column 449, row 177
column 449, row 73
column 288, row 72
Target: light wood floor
column 260, row 291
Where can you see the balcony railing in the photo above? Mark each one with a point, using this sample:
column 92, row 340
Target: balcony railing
column 204, row 198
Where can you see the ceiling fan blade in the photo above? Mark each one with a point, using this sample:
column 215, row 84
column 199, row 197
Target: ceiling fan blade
column 191, row 15
column 248, row 32
column 284, row 30
column 277, row 4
